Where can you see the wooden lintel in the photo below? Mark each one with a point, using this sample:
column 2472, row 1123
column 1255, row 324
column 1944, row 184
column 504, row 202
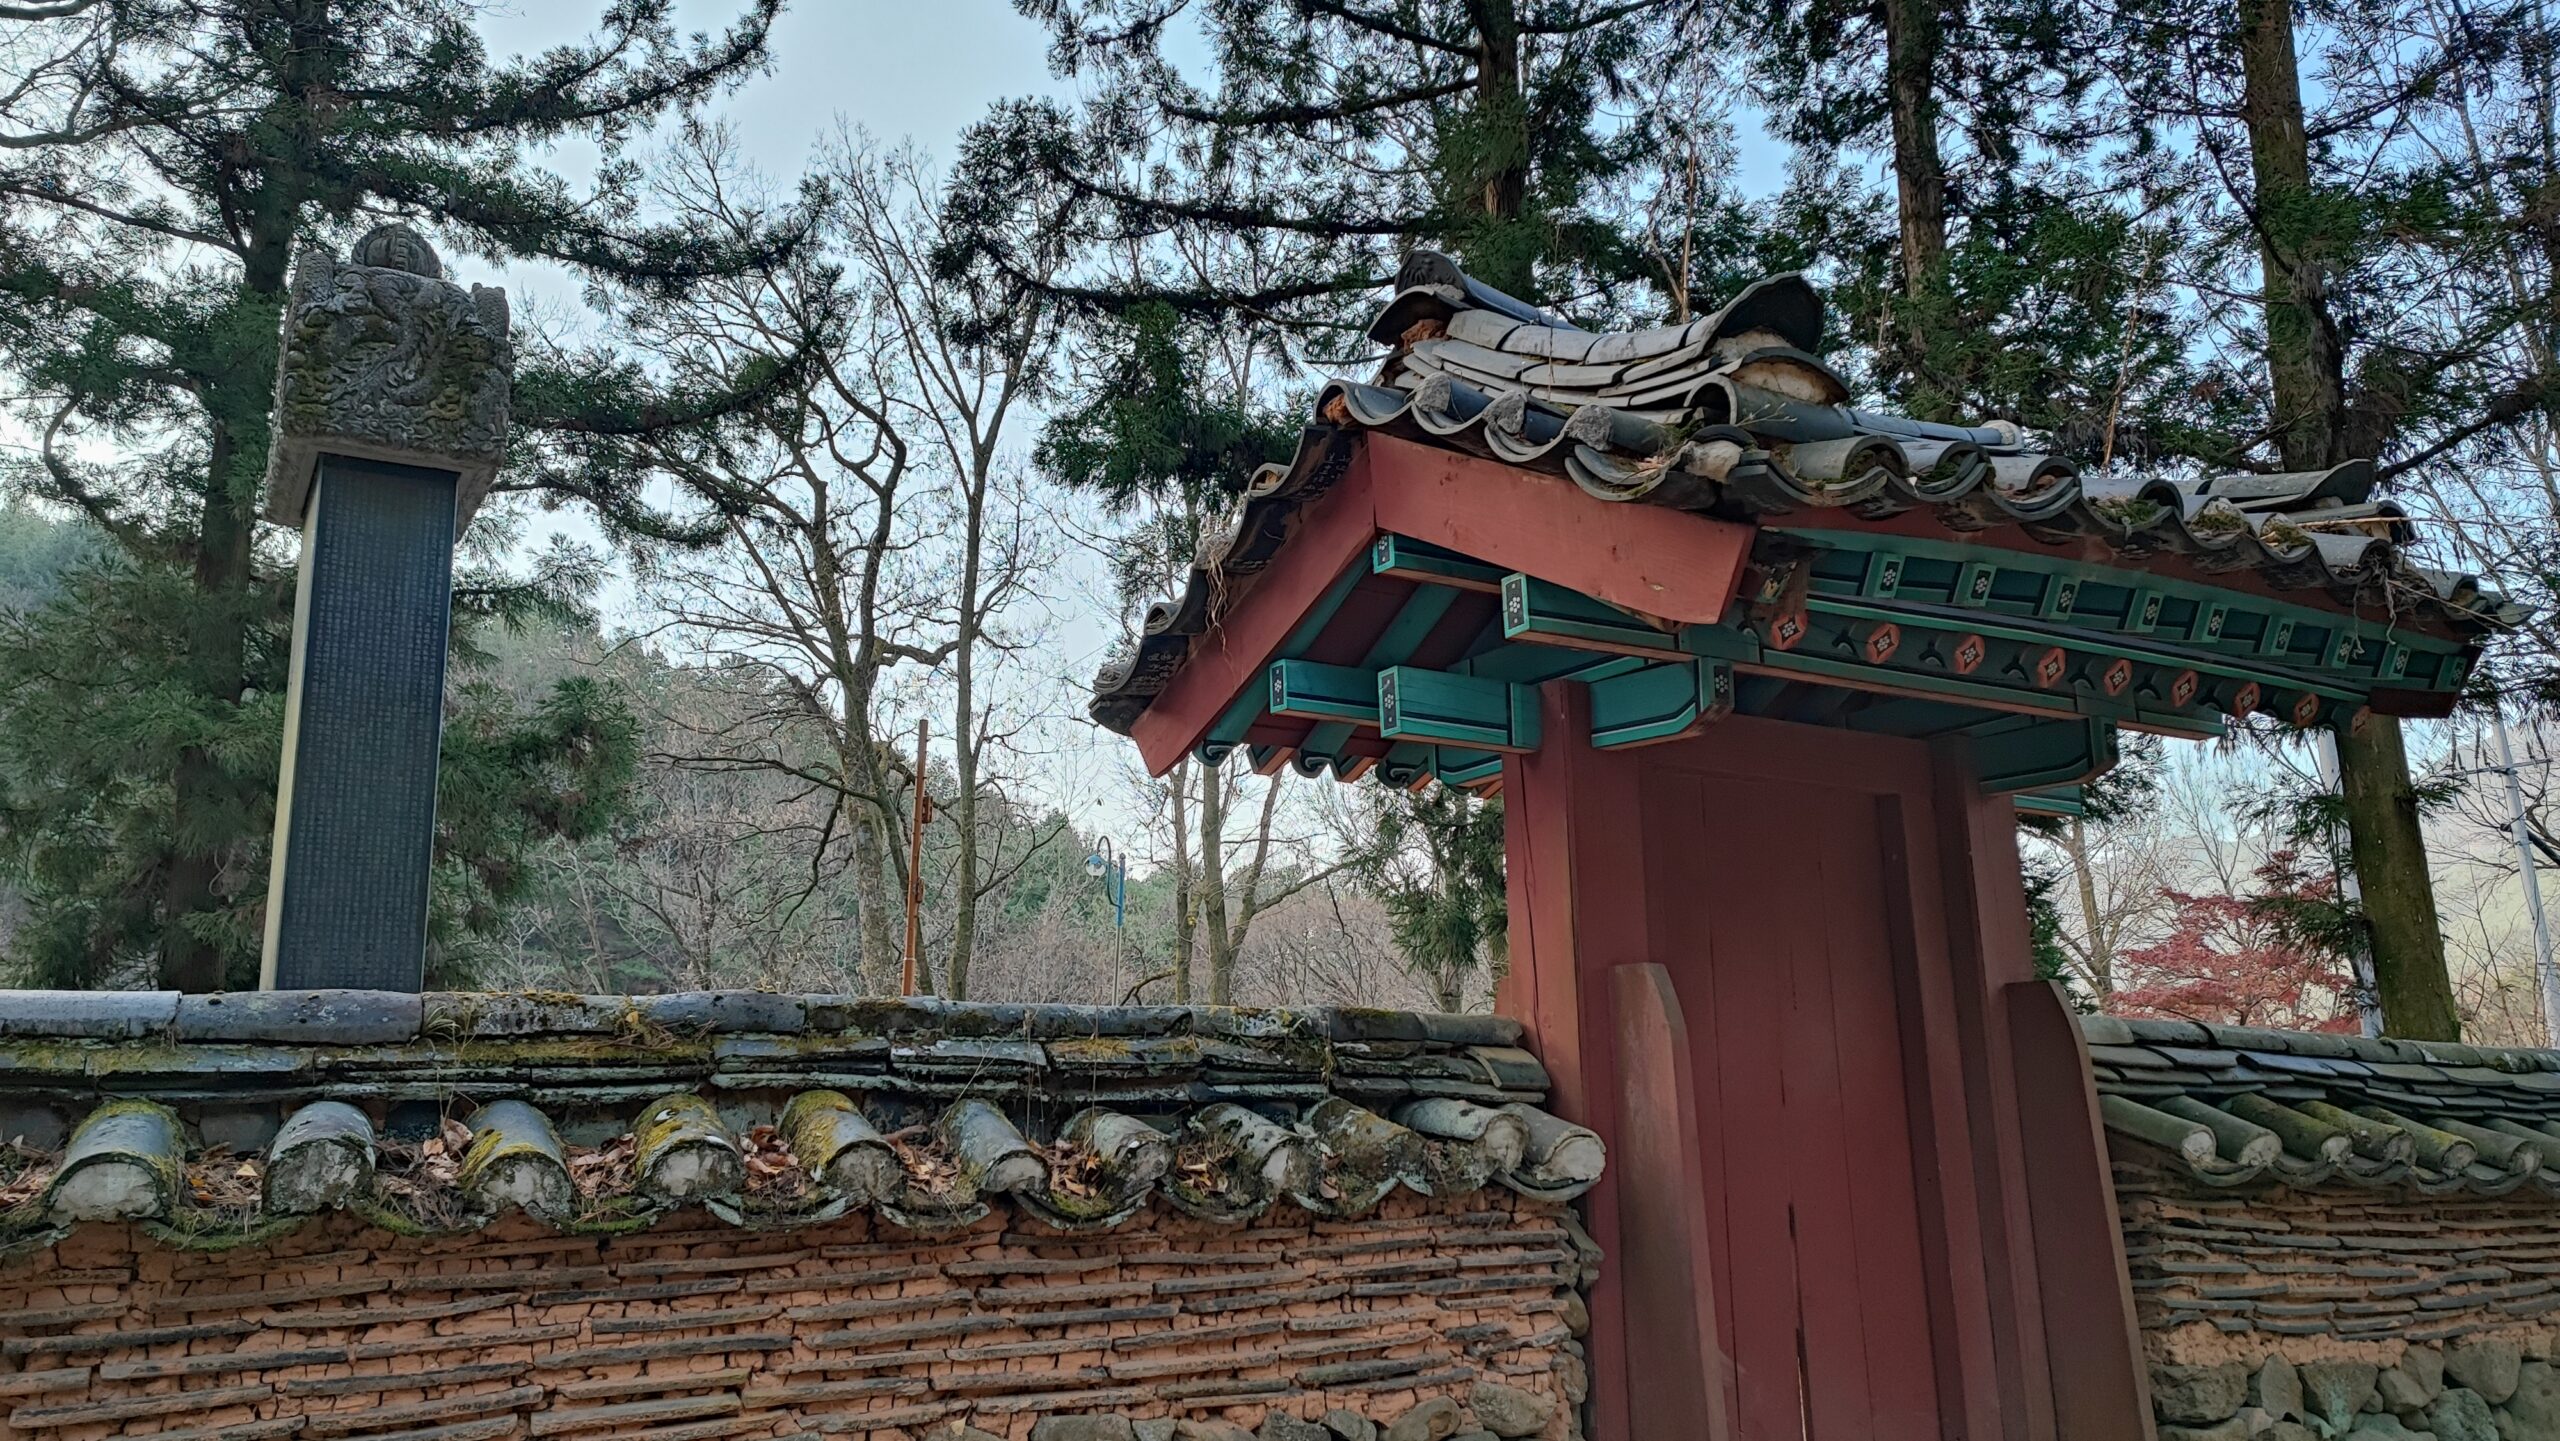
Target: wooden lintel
column 1304, row 689
column 2041, row 755
column 1408, row 559
column 1659, row 703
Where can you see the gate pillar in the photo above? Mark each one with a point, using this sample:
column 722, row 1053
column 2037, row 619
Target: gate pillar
column 1858, row 1187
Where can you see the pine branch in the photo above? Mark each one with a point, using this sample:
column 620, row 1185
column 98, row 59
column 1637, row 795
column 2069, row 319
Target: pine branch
column 1377, row 24
column 1309, row 114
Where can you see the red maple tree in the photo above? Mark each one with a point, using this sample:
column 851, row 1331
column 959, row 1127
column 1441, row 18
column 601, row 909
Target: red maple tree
column 2246, row 960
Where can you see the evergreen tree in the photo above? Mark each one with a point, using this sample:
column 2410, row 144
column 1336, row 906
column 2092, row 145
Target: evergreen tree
column 159, row 162
column 2345, row 223
column 1436, row 861
column 1329, row 138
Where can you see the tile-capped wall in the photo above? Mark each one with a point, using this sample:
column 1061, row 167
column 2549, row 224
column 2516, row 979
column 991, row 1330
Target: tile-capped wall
column 1469, row 1306
column 2378, row 1313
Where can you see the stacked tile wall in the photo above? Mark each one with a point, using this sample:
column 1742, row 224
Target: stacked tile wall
column 1456, row 1316
column 2374, row 1313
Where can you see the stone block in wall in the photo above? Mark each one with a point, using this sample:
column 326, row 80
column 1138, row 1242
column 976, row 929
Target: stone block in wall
column 2533, row 1412
column 2425, row 1365
column 2198, row 1395
column 1508, row 1411
column 2334, row 1391
column 2233, row 1429
column 2276, row 1388
column 2488, row 1366
column 2460, row 1414
column 2401, row 1392
column 1432, row 1420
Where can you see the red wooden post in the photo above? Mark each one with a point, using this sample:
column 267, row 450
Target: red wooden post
column 2100, row 1389
column 1576, row 894
column 1663, row 1247
column 1990, row 948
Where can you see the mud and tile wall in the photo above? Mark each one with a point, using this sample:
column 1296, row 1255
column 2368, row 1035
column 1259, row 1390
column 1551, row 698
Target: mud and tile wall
column 1461, row 1314
column 2372, row 1312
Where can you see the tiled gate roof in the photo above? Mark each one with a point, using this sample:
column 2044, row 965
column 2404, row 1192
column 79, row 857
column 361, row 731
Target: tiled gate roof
column 1737, row 415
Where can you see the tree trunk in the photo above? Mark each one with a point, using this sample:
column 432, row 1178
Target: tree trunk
column 2307, row 386
column 1504, row 259
column 1183, row 919
column 1213, row 885
column 201, row 793
column 2102, row 959
column 1912, row 41
column 872, row 897
column 964, row 752
column 2399, row 894
column 2304, row 367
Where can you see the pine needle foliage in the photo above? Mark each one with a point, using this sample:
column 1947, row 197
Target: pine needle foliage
column 160, row 163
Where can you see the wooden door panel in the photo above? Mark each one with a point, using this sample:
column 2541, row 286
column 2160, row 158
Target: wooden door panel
column 1803, row 1114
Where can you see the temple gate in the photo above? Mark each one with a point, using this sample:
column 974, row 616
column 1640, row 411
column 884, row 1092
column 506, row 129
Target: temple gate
column 1763, row 680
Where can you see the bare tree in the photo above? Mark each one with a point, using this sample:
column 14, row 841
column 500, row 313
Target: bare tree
column 971, row 356
column 826, row 584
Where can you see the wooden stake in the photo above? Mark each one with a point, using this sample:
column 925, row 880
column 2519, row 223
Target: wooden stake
column 920, row 812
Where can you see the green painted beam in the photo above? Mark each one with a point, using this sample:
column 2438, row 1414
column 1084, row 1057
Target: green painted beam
column 2062, row 801
column 1453, row 766
column 2027, row 633
column 1420, row 615
column 2040, row 755
column 1659, row 702
column 1540, row 613
column 1538, row 664
column 1450, row 709
column 1956, row 574
column 1247, row 707
column 1413, row 560
column 1304, row 689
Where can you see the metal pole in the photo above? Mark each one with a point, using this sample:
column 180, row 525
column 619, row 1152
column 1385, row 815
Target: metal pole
column 915, row 868
column 2543, row 971
column 2324, row 750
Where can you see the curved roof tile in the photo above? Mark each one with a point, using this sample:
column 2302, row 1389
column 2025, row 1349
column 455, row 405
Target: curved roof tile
column 2240, row 1105
column 605, row 1113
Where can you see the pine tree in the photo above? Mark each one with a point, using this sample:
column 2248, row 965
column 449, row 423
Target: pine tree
column 1331, row 138
column 160, row 160
column 2344, row 224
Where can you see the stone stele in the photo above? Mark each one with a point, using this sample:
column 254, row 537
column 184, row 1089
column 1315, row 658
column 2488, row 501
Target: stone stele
column 384, row 359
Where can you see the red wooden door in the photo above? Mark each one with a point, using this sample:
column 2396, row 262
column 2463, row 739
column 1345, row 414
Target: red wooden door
column 1772, row 901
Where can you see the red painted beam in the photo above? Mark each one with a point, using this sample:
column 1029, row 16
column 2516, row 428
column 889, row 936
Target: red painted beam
column 1241, row 642
column 1647, row 558
column 1666, row 563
